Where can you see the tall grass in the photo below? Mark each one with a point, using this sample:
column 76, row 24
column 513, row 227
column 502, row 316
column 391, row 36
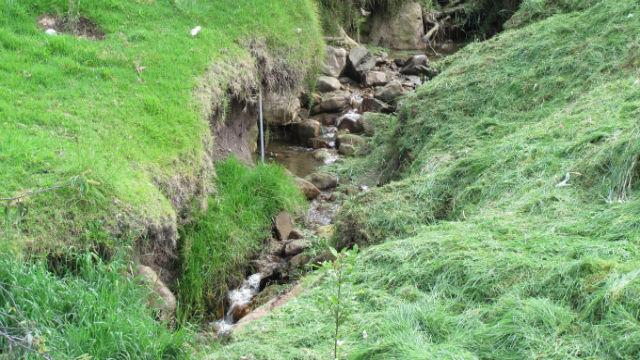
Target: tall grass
column 216, row 247
column 98, row 312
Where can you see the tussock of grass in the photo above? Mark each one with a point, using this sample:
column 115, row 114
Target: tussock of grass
column 96, row 313
column 217, row 246
column 484, row 255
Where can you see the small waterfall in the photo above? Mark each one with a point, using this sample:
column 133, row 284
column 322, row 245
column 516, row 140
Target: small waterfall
column 239, row 302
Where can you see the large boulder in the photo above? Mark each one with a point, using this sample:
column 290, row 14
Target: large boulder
column 328, row 84
column 281, row 109
column 390, row 92
column 375, row 78
column 323, row 181
column 404, row 31
column 360, row 62
column 309, row 190
column 352, row 122
column 333, row 102
column 308, row 130
column 418, row 65
column 334, row 62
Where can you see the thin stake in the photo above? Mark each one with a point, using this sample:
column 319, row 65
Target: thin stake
column 261, row 125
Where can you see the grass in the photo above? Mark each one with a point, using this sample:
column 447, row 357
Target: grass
column 124, row 115
column 480, row 253
column 98, row 312
column 218, row 245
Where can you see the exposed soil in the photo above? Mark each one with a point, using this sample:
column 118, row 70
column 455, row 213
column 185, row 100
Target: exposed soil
column 81, row 26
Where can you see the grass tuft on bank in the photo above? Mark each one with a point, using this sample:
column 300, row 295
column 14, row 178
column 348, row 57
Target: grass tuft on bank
column 218, row 245
column 507, row 216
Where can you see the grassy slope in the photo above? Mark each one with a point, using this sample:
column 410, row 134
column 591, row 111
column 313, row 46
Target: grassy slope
column 77, row 109
column 491, row 259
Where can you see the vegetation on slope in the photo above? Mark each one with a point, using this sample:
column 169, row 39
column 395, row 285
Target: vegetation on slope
column 116, row 121
column 511, row 224
column 219, row 244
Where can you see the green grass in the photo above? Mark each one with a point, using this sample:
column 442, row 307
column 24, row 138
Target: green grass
column 482, row 255
column 98, row 312
column 218, row 245
column 73, row 108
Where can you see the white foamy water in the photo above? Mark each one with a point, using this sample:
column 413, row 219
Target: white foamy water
column 238, row 297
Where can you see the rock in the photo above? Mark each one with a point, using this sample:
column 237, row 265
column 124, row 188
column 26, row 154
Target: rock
column 323, row 257
column 375, row 78
column 350, row 190
column 333, row 102
column 281, row 109
column 350, row 139
column 391, row 92
column 165, row 301
column 321, row 155
column 347, row 150
column 418, row 65
column 271, row 266
column 374, row 105
column 413, row 80
column 321, row 143
column 295, row 247
column 295, row 235
column 326, row 119
column 335, row 61
column 299, row 261
column 275, row 247
column 238, row 311
column 360, row 62
column 326, row 231
column 283, row 225
column 404, row 31
column 351, row 121
column 328, row 84
column 308, row 130
column 323, row 181
column 309, row 190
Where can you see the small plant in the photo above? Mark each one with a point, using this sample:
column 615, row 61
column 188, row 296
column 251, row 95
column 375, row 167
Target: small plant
column 73, row 14
column 339, row 301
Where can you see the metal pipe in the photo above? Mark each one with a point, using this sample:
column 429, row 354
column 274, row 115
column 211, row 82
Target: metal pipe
column 261, row 124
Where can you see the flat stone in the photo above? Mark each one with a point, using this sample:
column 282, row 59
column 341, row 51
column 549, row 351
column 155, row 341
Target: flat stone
column 335, row 61
column 391, row 92
column 333, row 102
column 283, row 225
column 375, row 78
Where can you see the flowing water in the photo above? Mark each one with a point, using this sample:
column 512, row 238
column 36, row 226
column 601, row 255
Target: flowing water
column 239, row 299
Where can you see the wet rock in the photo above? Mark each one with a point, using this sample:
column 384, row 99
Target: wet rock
column 404, row 31
column 418, row 65
column 351, row 121
column 335, row 61
column 328, row 84
column 299, row 261
column 321, row 143
column 391, row 92
column 360, row 61
column 347, row 150
column 333, row 102
column 375, row 78
column 350, row 139
column 326, row 119
column 374, row 105
column 164, row 300
column 308, row 130
column 309, row 190
column 239, row 311
column 323, row 181
column 295, row 247
column 283, row 225
column 281, row 109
